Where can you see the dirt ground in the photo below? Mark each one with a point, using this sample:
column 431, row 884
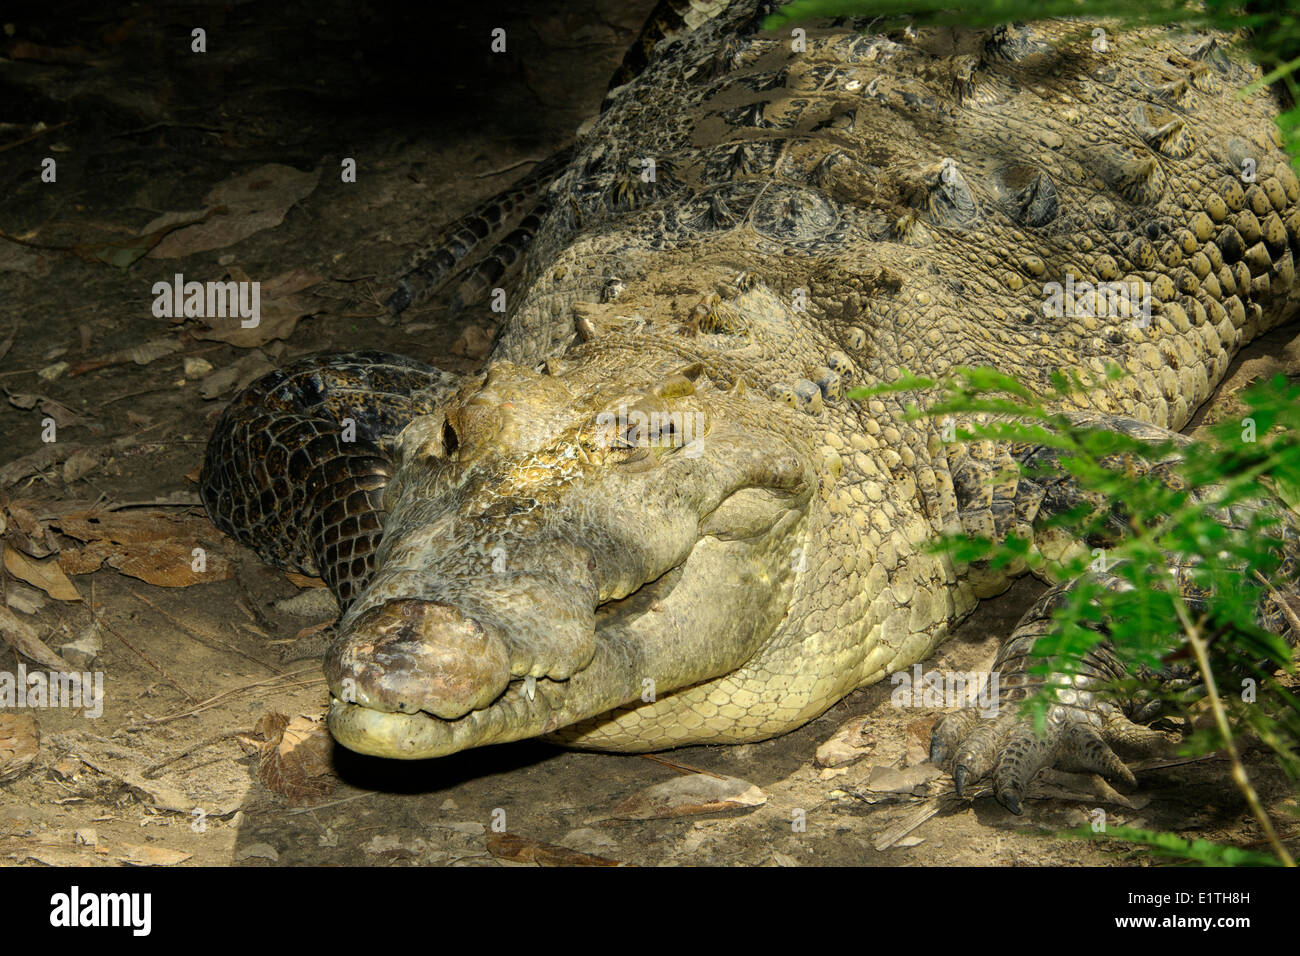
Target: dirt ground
column 226, row 164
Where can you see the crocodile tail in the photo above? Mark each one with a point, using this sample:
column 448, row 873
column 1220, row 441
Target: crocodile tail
column 429, row 269
column 297, row 463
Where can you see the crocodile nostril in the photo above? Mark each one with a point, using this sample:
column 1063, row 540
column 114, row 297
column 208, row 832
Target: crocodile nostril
column 449, row 440
column 407, row 655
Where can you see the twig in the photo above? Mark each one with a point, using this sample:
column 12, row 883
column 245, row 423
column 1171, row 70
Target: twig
column 213, row 701
column 39, row 133
column 204, row 638
column 1285, row 606
column 145, row 657
column 506, row 169
column 681, row 767
column 190, row 501
column 1239, row 776
column 154, row 771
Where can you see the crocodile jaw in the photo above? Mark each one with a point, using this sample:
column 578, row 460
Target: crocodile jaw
column 664, row 636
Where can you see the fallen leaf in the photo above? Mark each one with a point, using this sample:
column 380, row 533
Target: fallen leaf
column 154, row 546
column 25, row 600
column 23, row 400
column 121, row 253
column 22, row 531
column 169, row 564
column 892, row 784
column 35, row 462
column 134, row 854
column 278, row 317
column 847, row 745
column 20, row 742
column 517, row 849
column 295, row 758
column 82, row 462
column 14, row 258
column 85, row 560
column 22, row 637
column 249, row 202
column 688, row 795
column 253, row 365
column 44, row 574
column 260, row 851
column 80, row 652
column 39, row 53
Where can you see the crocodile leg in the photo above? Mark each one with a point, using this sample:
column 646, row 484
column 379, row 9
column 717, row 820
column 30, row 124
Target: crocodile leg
column 429, row 268
column 1085, row 730
column 473, row 282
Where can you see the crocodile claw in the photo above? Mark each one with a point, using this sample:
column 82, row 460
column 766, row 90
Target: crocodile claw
column 1007, row 748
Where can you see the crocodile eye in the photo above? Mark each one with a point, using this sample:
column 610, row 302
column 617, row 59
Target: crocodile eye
column 449, row 440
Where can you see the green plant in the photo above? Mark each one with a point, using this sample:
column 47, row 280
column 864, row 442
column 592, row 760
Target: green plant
column 1198, row 549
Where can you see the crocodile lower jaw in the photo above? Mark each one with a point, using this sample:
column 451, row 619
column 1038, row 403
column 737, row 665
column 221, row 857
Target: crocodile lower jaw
column 421, row 735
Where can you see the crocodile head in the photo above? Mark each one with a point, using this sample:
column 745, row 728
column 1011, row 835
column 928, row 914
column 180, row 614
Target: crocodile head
column 560, row 545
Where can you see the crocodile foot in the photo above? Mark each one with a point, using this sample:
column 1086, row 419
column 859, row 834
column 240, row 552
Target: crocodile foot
column 1007, row 748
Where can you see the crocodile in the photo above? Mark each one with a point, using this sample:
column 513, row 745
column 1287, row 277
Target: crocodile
column 653, row 518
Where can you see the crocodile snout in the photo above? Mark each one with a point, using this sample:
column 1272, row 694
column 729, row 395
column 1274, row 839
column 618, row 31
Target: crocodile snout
column 408, row 655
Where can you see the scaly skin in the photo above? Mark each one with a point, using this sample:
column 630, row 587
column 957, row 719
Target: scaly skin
column 817, row 220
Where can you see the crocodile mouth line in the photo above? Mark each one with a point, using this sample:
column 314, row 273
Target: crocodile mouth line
column 527, row 707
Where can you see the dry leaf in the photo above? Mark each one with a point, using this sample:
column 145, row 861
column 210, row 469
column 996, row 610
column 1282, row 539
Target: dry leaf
column 235, row 376
column 22, row 637
column 20, row 742
column 85, row 560
column 168, row 564
column 690, row 794
column 44, row 574
column 154, row 546
column 146, row 352
column 23, row 400
column 22, row 531
column 35, row 463
column 295, row 758
column 134, row 854
column 277, row 319
column 847, row 745
column 517, row 849
column 237, row 208
column 82, row 462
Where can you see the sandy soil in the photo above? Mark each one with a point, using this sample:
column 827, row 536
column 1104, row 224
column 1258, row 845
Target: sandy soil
column 139, row 127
